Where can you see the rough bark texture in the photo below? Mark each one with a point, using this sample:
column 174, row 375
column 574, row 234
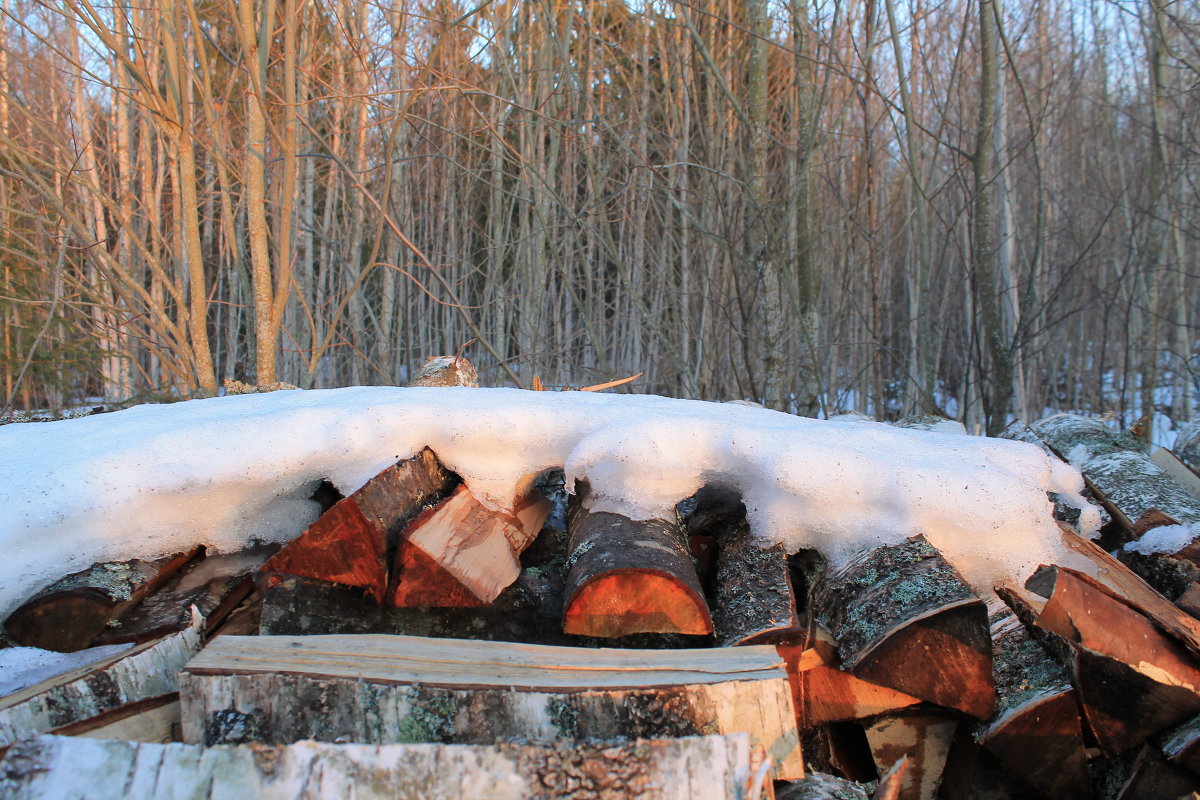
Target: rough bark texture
column 352, row 542
column 820, row 786
column 146, row 671
column 214, row 585
column 1036, row 730
column 628, row 577
column 72, row 612
column 905, row 619
column 1187, row 445
column 1133, row 681
column 382, row 689
column 446, row 371
column 755, row 599
column 693, row 768
column 1128, row 483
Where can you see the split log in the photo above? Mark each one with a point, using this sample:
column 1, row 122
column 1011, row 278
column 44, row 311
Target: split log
column 350, row 543
column 155, row 719
column 692, row 768
column 1124, row 478
column 1123, row 583
column 905, row 619
column 920, row 738
column 1036, row 731
column 143, row 672
column 214, row 585
column 628, row 576
column 756, row 603
column 462, row 553
column 1153, row 777
column 382, row 689
column 453, row 370
column 1132, row 680
column 72, row 612
column 823, row 693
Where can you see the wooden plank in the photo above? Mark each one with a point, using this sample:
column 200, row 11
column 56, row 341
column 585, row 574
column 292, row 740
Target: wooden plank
column 148, row 670
column 692, row 768
column 382, row 689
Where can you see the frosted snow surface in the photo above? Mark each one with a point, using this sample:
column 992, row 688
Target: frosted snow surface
column 152, row 480
column 1165, row 539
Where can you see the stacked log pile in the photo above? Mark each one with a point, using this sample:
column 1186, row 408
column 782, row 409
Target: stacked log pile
column 415, row 635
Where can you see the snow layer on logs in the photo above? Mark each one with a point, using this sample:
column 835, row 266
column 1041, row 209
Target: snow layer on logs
column 223, row 471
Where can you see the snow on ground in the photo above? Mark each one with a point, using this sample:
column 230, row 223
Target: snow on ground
column 151, row 480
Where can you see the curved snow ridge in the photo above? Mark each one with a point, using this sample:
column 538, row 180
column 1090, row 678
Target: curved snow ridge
column 151, row 480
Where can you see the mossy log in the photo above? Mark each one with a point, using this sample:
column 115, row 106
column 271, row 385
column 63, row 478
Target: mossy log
column 352, row 542
column 922, row 740
column 1036, row 731
column 384, row 689
column 692, row 768
column 628, row 576
column 905, row 619
column 146, row 671
column 1125, row 479
column 215, row 585
column 1133, row 681
column 70, row 614
column 462, row 553
column 756, row 603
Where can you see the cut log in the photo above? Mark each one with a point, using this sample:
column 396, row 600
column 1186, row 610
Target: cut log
column 1126, row 481
column 1154, row 778
column 630, row 576
column 528, row 611
column 921, row 738
column 155, row 719
column 69, row 614
column 905, row 619
column 214, row 585
column 692, row 768
column 453, row 370
column 1036, row 731
column 382, row 689
column 756, row 603
column 143, row 672
column 1123, row 583
column 350, row 543
column 823, row 693
column 1133, row 681
column 462, row 553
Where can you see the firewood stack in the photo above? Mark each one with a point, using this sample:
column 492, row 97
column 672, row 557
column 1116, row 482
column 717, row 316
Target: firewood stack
column 560, row 651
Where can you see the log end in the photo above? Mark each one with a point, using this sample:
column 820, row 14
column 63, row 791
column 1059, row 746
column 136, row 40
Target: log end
column 343, row 546
column 630, row 601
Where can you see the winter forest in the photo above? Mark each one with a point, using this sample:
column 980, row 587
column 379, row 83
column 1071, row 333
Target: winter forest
column 965, row 207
